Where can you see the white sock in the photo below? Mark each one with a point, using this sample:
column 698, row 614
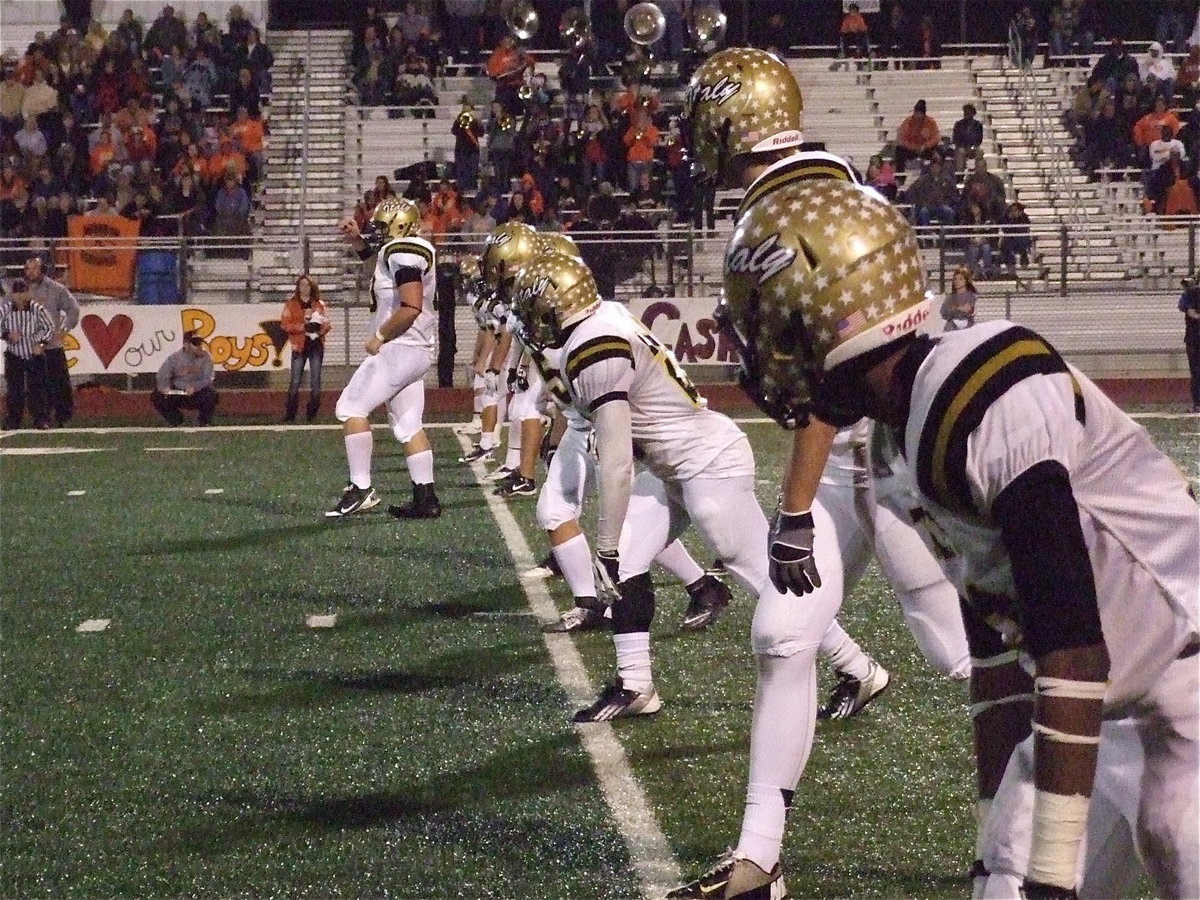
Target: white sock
column 781, row 737
column 358, row 454
column 575, row 559
column 487, row 440
column 633, row 660
column 420, row 467
column 676, row 560
column 512, row 458
column 843, row 653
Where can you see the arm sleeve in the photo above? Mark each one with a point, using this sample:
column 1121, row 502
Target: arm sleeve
column 206, row 371
column 70, row 307
column 406, row 275
column 614, row 451
column 1052, row 571
column 163, row 379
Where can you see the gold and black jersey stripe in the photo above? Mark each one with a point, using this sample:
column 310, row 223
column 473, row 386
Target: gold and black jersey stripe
column 800, row 170
column 978, row 381
column 401, row 245
column 596, row 350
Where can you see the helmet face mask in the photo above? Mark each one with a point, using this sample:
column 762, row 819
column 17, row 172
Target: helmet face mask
column 740, row 101
column 804, row 293
column 781, row 383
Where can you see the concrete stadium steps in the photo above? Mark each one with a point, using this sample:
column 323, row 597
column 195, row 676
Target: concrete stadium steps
column 305, row 189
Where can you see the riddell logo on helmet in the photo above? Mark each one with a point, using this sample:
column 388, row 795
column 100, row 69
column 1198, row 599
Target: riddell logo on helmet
column 910, row 322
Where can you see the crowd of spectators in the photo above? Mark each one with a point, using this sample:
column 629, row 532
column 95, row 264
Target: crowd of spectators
column 162, row 125
column 1142, row 114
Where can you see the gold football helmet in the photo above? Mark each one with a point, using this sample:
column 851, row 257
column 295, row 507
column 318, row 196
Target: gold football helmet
column 556, row 242
column 550, row 295
column 741, row 100
column 808, row 292
column 393, row 218
column 508, row 248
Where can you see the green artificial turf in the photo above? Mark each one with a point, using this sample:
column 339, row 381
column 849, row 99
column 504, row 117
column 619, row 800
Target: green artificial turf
column 210, row 744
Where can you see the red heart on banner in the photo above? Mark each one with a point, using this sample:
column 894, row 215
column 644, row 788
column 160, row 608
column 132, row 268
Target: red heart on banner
column 107, row 339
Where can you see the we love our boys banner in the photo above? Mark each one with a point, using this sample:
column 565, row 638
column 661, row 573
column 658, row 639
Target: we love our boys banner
column 118, row 338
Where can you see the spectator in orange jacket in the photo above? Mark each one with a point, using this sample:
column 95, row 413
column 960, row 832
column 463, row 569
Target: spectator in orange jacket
column 1148, row 128
column 533, row 195
column 917, row 137
column 506, row 67
column 102, row 154
column 445, row 213
column 853, row 34
column 640, row 140
column 227, row 158
column 249, row 134
column 306, row 322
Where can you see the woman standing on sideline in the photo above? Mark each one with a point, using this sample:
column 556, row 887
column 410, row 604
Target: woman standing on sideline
column 306, row 322
column 958, row 309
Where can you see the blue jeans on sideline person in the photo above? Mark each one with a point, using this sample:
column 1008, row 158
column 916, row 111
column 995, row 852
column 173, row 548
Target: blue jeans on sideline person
column 314, row 355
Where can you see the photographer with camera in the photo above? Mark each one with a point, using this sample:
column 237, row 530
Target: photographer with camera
column 306, row 322
column 1189, row 305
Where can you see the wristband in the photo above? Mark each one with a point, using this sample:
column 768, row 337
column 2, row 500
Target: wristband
column 1059, row 822
column 379, row 336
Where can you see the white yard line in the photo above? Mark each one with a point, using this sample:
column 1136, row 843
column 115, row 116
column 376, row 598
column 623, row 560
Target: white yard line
column 656, row 867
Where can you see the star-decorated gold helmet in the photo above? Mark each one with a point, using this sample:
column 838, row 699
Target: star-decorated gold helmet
column 508, row 248
column 469, row 269
column 741, row 100
column 550, row 295
column 556, row 242
column 818, row 273
column 393, row 218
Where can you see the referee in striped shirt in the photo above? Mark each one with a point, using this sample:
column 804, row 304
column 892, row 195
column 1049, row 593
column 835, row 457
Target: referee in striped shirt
column 27, row 328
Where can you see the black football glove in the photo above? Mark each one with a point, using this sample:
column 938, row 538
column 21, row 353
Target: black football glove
column 547, row 449
column 792, row 567
column 1037, row 890
column 607, row 566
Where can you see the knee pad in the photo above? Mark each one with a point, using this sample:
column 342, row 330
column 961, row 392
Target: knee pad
column 634, row 609
column 403, row 429
column 553, row 510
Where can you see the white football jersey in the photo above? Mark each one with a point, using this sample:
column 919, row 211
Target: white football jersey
column 991, row 401
column 847, row 462
column 406, row 253
column 611, row 355
column 548, row 362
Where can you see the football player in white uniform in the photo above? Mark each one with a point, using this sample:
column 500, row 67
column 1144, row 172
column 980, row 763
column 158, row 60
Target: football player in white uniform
column 570, row 478
column 492, row 351
column 398, row 354
column 744, row 109
column 468, row 286
column 1072, row 538
column 698, row 463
